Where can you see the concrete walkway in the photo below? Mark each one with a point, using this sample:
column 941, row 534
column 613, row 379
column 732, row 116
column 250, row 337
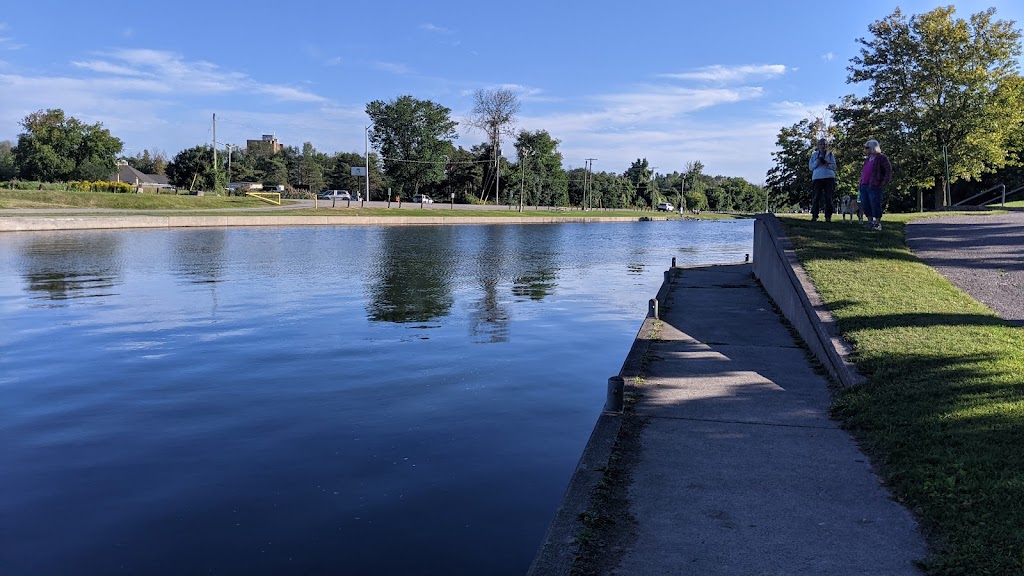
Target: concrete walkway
column 739, row 468
column 983, row 255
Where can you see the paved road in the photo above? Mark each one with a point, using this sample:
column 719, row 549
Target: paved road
column 739, row 469
column 983, row 255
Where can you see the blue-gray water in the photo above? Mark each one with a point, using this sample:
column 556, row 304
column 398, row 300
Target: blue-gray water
column 332, row 400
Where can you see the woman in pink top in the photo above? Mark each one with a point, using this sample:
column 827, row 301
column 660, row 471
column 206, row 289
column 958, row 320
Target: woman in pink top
column 876, row 174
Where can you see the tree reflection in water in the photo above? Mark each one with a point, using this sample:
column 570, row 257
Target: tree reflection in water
column 68, row 265
column 412, row 276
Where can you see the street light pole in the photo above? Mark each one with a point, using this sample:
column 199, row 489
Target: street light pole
column 230, row 147
column 522, row 179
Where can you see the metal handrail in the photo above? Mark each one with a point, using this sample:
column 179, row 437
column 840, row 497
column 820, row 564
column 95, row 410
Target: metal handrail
column 1011, row 193
column 1003, row 186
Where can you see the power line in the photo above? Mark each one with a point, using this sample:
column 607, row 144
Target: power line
column 436, row 161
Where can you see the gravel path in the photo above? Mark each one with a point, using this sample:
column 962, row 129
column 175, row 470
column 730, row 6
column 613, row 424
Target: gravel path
column 983, row 255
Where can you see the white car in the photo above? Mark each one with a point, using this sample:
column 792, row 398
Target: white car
column 665, row 207
column 334, row 195
column 422, row 199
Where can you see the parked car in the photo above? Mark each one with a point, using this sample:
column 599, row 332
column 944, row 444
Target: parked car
column 422, row 199
column 665, row 207
column 334, row 195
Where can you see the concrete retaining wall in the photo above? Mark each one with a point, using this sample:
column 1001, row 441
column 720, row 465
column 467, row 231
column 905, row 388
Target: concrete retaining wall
column 776, row 266
column 37, row 223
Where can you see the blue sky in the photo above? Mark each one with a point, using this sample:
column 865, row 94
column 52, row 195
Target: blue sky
column 670, row 81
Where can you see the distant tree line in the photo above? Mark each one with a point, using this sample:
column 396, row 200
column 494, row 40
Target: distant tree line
column 944, row 98
column 413, row 152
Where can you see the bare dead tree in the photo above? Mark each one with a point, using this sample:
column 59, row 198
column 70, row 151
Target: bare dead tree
column 494, row 112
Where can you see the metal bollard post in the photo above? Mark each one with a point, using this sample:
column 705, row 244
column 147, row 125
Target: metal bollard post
column 616, row 387
column 673, row 261
column 746, row 258
column 652, row 308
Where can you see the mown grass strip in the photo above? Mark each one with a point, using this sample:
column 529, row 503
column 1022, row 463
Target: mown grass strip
column 942, row 412
column 14, row 199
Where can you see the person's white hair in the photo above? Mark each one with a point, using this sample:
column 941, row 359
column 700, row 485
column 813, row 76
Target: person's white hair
column 873, row 146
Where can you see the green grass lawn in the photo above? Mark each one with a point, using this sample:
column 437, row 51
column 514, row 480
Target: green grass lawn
column 141, row 203
column 942, row 412
column 11, row 199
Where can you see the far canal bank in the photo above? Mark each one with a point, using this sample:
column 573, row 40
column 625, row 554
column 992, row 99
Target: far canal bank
column 108, row 222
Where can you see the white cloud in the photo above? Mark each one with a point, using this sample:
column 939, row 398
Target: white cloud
column 828, row 56
column 107, row 68
column 8, row 42
column 163, row 72
column 289, row 94
column 669, row 126
column 391, row 67
column 436, row 29
column 730, row 74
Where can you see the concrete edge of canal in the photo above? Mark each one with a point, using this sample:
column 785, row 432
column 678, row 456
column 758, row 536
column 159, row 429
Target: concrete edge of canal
column 786, row 282
column 83, row 222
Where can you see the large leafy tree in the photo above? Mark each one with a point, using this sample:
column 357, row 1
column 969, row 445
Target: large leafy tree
column 542, row 177
column 464, row 174
column 192, row 168
column 414, row 137
column 790, row 178
column 938, row 82
column 56, row 147
column 8, row 168
column 641, row 175
column 340, row 176
column 273, row 168
column 313, row 168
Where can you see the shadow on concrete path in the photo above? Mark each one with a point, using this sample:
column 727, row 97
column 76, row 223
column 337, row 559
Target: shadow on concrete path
column 740, row 469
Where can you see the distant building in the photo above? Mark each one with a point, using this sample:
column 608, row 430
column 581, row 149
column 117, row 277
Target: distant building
column 266, row 145
column 125, row 173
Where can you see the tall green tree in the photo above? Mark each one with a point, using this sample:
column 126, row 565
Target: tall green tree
column 8, row 167
column 55, row 147
column 414, row 137
column 149, row 162
column 192, row 168
column 464, row 174
column 938, row 82
column 640, row 174
column 341, row 178
column 542, row 177
column 273, row 168
column 312, row 168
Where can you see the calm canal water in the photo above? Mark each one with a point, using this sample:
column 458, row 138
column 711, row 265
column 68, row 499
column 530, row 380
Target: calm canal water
column 323, row 400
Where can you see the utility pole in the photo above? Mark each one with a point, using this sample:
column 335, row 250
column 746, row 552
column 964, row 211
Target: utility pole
column 366, row 148
column 522, row 178
column 586, row 181
column 230, row 147
column 497, row 165
column 215, row 143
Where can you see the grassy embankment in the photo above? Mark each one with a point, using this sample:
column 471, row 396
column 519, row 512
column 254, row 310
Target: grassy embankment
column 942, row 412
column 13, row 199
column 141, row 203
